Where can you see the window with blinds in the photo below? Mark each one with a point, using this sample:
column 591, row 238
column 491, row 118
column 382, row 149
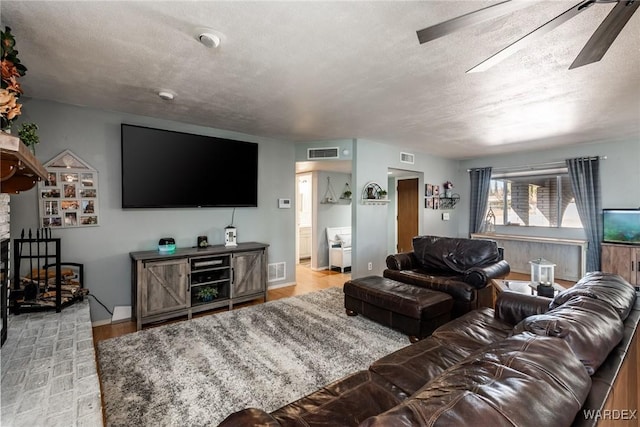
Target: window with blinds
column 533, row 198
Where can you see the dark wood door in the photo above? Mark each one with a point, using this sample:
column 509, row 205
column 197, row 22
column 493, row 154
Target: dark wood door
column 407, row 213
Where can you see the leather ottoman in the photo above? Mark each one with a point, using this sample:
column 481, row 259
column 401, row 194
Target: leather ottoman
column 410, row 309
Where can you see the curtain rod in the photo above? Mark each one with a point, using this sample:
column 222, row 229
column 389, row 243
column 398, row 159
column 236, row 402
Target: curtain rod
column 556, row 164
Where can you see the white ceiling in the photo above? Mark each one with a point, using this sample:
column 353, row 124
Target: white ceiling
column 310, row 70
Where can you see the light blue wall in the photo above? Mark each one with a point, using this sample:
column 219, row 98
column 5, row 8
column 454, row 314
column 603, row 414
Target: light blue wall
column 619, row 178
column 94, row 136
column 330, row 215
column 371, row 238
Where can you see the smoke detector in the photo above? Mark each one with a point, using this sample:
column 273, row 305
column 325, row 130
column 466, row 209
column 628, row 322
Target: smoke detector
column 208, row 37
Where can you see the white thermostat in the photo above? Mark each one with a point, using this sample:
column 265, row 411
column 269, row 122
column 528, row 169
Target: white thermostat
column 284, row 203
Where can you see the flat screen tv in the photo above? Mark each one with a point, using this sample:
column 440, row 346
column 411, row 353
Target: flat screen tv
column 166, row 169
column 621, row 226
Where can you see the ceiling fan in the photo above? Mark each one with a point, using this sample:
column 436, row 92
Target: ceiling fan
column 593, row 51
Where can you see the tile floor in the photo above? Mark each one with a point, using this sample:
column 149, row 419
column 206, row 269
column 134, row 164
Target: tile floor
column 49, row 374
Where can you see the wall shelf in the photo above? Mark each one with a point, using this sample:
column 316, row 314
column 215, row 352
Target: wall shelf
column 373, row 194
column 19, row 168
column 449, row 202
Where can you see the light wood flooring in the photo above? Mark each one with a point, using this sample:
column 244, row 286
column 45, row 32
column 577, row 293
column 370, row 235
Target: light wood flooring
column 307, row 280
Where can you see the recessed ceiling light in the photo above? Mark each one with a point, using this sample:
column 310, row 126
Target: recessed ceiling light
column 166, row 95
column 208, row 37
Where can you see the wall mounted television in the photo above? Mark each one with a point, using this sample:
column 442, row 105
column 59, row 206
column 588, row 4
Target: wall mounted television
column 167, row 169
column 621, row 226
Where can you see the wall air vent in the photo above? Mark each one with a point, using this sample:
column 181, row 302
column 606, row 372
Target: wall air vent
column 407, row 158
column 277, row 271
column 323, row 153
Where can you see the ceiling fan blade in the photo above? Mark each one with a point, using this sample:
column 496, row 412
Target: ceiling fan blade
column 532, row 36
column 606, row 33
column 447, row 27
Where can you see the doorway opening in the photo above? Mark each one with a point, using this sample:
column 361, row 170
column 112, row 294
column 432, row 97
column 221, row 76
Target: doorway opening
column 304, row 218
column 407, row 212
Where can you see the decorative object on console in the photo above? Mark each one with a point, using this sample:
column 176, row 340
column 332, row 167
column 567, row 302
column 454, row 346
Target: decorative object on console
column 68, row 197
column 207, row 293
column 203, row 242
column 230, row 232
column 167, row 245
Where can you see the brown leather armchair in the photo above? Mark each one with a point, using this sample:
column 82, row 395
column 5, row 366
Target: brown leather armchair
column 460, row 267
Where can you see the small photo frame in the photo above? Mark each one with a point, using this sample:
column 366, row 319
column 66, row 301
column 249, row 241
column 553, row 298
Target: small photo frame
column 70, row 219
column 51, row 207
column 52, row 180
column 86, row 179
column 428, row 190
column 70, row 205
column 436, row 203
column 88, row 206
column 69, row 191
column 436, row 190
column 54, row 221
column 89, row 220
column 88, row 193
column 54, row 193
column 69, row 177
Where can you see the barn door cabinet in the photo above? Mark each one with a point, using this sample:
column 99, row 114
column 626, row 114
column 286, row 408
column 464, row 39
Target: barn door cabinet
column 623, row 260
column 191, row 280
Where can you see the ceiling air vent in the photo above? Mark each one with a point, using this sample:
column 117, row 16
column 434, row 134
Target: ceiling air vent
column 323, row 153
column 407, row 158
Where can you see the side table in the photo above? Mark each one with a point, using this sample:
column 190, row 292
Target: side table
column 520, row 286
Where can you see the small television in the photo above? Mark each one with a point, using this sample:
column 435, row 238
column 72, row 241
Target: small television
column 621, row 226
column 167, row 169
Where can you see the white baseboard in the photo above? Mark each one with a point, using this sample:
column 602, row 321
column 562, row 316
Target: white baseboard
column 100, row 323
column 281, row 285
column 121, row 313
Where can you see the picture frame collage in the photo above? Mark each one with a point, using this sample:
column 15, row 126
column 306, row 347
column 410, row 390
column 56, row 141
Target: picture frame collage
column 69, row 196
column 431, row 196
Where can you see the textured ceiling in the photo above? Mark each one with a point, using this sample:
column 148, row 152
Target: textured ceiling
column 309, row 70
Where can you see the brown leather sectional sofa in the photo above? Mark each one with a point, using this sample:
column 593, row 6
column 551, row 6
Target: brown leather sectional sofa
column 463, row 268
column 530, row 362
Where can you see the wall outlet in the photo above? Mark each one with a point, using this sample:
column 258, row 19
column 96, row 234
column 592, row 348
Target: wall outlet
column 445, row 216
column 370, row 266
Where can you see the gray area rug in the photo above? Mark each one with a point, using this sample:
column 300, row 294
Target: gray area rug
column 197, row 372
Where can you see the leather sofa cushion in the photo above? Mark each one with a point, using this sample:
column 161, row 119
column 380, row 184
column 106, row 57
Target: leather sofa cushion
column 590, row 327
column 478, row 326
column 448, row 254
column 412, row 367
column 345, row 402
column 497, row 387
column 610, row 288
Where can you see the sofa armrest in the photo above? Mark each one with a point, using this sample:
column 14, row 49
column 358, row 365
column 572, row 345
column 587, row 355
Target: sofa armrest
column 479, row 277
column 250, row 417
column 402, row 261
column 513, row 307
